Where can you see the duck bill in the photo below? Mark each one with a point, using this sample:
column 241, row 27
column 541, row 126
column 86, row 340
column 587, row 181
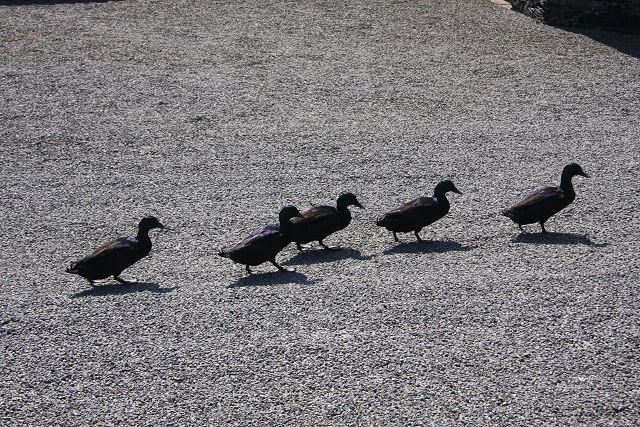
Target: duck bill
column 455, row 190
column 359, row 205
column 585, row 175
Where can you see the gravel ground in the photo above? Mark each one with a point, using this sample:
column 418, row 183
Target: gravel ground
column 213, row 116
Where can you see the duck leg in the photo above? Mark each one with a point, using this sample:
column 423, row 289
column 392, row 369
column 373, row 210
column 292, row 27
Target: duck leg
column 542, row 225
column 279, row 267
column 417, row 235
column 395, row 236
column 520, row 225
column 91, row 283
column 248, row 269
column 299, row 246
column 121, row 280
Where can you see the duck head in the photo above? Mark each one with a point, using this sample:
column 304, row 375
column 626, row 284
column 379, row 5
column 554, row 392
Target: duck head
column 149, row 222
column 348, row 199
column 287, row 213
column 444, row 186
column 573, row 169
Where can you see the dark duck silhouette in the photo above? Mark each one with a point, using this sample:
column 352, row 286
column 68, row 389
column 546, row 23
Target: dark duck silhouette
column 113, row 257
column 540, row 205
column 320, row 221
column 420, row 212
column 264, row 243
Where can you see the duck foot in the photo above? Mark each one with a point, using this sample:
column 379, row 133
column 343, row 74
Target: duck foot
column 327, row 248
column 417, row 236
column 119, row 279
column 248, row 269
column 281, row 268
column 395, row 236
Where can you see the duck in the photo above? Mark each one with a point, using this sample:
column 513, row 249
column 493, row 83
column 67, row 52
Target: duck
column 111, row 258
column 264, row 243
column 318, row 222
column 418, row 213
column 540, row 205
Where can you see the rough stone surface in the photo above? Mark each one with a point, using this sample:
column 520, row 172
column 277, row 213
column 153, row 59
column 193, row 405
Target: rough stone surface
column 614, row 15
column 213, row 115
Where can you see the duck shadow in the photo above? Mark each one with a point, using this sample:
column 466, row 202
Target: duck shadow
column 551, row 238
column 428, row 246
column 271, row 279
column 625, row 41
column 317, row 256
column 120, row 289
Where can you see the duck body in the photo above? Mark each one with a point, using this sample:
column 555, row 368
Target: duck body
column 542, row 204
column 318, row 222
column 115, row 256
column 264, row 243
column 418, row 213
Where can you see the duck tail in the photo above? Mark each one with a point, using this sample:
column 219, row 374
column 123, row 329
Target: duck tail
column 223, row 254
column 508, row 213
column 72, row 269
column 381, row 222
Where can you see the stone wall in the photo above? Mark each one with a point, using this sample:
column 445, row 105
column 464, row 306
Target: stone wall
column 613, row 15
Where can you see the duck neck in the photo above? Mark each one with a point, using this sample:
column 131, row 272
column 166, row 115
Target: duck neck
column 344, row 212
column 285, row 226
column 143, row 237
column 441, row 196
column 565, row 183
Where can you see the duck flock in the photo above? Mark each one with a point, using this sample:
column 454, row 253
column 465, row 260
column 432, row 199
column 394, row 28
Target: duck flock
column 318, row 222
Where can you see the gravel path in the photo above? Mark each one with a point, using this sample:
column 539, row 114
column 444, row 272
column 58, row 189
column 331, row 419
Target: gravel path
column 212, row 116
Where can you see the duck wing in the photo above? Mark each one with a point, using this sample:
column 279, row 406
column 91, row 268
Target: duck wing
column 257, row 236
column 315, row 214
column 412, row 207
